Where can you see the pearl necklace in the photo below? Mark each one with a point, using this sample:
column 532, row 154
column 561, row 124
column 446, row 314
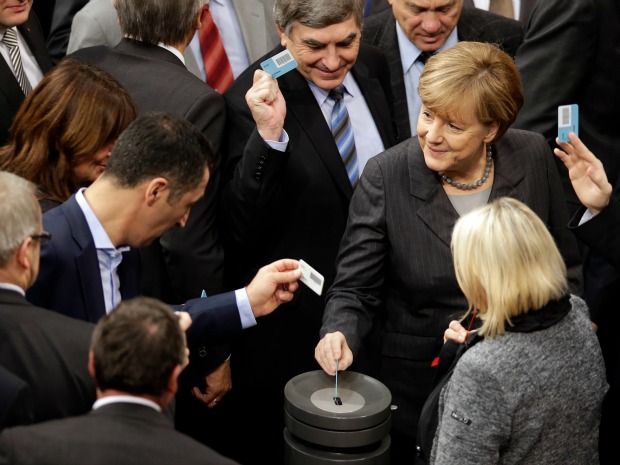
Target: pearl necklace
column 473, row 185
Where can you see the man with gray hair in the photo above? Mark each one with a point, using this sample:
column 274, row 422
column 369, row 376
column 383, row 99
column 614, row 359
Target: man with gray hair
column 136, row 356
column 47, row 350
column 290, row 174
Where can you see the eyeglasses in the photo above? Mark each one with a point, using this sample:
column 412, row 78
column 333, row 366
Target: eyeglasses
column 43, row 238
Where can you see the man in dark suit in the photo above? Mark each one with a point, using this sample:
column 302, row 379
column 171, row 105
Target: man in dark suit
column 46, row 350
column 182, row 263
column 570, row 55
column 17, row 16
column 136, row 356
column 599, row 228
column 293, row 198
column 158, row 169
column 412, row 27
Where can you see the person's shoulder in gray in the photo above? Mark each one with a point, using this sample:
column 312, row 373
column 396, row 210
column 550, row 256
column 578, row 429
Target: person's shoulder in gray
column 531, row 391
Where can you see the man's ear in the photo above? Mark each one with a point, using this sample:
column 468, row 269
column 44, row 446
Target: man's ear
column 155, row 190
column 173, row 382
column 91, row 364
column 283, row 36
column 21, row 254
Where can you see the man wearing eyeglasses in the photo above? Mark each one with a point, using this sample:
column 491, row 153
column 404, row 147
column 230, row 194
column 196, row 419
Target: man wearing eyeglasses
column 47, row 350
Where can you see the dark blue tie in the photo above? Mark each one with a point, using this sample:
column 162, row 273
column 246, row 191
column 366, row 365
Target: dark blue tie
column 343, row 133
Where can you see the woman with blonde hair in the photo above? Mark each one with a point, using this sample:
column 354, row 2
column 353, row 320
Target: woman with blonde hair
column 530, row 391
column 63, row 133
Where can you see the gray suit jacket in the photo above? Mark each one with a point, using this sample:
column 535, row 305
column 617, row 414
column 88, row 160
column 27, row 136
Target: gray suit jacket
column 473, row 25
column 114, row 434
column 97, row 24
column 394, row 267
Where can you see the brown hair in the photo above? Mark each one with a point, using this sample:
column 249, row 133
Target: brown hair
column 476, row 74
column 74, row 111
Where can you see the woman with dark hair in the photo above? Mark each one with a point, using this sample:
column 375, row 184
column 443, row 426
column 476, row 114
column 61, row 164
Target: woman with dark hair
column 64, row 131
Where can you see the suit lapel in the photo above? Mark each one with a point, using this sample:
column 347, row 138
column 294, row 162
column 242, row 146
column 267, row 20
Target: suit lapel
column 10, row 87
column 507, row 171
column 86, row 261
column 302, row 106
column 436, row 211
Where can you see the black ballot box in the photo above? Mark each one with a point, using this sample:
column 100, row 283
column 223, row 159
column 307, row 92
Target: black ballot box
column 347, row 423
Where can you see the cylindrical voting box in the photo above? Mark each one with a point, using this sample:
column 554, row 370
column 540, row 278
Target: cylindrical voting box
column 328, row 424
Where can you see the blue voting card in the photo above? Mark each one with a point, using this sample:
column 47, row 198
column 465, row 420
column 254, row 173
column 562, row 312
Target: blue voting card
column 568, row 121
column 279, row 64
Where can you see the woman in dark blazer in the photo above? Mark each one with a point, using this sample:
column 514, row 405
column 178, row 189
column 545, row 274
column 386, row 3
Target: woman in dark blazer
column 394, row 269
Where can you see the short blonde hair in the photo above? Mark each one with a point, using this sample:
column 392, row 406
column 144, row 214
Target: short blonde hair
column 506, row 263
column 473, row 75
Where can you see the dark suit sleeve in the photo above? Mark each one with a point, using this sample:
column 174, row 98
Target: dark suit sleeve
column 558, row 40
column 556, row 223
column 253, row 176
column 214, row 319
column 601, row 233
column 355, row 296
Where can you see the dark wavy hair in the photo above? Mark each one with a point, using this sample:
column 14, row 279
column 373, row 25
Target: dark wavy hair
column 74, row 111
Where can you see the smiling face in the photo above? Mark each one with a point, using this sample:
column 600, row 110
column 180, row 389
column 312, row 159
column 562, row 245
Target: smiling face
column 455, row 145
column 14, row 12
column 90, row 168
column 325, row 55
column 427, row 23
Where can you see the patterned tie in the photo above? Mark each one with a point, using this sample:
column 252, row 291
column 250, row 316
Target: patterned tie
column 217, row 67
column 502, row 7
column 343, row 133
column 10, row 40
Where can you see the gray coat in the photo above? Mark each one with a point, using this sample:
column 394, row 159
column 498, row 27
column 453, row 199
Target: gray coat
column 526, row 398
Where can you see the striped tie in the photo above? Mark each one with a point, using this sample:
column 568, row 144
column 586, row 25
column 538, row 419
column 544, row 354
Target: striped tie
column 10, row 40
column 343, row 133
column 217, row 67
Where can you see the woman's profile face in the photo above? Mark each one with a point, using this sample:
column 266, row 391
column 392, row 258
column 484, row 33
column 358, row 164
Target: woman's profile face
column 454, row 145
column 90, row 168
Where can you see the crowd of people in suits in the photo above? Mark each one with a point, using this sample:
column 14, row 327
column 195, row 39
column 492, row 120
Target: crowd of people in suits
column 168, row 164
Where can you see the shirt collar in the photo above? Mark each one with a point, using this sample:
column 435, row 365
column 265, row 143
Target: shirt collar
column 107, row 400
column 100, row 236
column 321, row 94
column 12, row 287
column 409, row 52
column 173, row 50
